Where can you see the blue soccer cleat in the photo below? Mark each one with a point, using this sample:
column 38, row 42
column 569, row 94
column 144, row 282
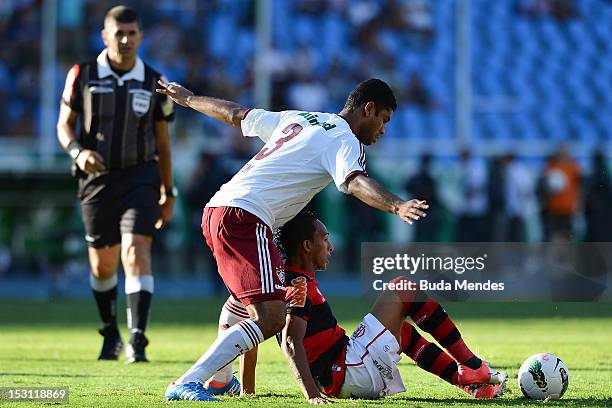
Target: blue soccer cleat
column 191, row 391
column 231, row 388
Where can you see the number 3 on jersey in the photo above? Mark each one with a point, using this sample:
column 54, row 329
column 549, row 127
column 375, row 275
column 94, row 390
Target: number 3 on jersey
column 291, row 131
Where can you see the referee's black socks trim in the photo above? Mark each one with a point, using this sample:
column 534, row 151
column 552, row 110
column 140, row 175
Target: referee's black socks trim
column 105, row 294
column 139, row 291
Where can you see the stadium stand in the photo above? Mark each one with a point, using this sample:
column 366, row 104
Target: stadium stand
column 541, row 70
column 536, row 75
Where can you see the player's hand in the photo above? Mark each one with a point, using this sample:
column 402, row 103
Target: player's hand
column 166, row 209
column 319, row 400
column 176, row 92
column 410, row 211
column 90, row 162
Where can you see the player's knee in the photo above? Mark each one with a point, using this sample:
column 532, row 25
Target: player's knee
column 103, row 272
column 129, row 256
column 135, row 257
column 103, row 269
column 407, row 290
column 270, row 317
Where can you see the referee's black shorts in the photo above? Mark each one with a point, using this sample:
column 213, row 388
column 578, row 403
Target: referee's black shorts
column 118, row 202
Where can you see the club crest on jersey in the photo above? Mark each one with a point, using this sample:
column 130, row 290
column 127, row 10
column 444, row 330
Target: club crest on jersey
column 359, row 331
column 280, row 272
column 141, row 101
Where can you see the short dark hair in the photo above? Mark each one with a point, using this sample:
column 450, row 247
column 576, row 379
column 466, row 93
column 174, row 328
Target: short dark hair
column 374, row 90
column 122, row 14
column 290, row 236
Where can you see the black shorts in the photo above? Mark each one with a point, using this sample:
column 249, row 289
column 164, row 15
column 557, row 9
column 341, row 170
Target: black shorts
column 118, row 202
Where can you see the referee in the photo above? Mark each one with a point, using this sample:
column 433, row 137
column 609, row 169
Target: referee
column 122, row 156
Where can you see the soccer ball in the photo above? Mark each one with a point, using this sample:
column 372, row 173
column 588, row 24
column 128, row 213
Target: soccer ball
column 543, row 376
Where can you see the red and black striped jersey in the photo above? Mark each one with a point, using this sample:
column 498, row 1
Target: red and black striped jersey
column 325, row 341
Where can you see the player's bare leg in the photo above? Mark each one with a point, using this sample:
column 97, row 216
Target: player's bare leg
column 269, row 316
column 389, row 310
column 248, row 362
column 103, row 281
column 139, row 285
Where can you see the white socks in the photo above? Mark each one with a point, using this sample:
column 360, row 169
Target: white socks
column 137, row 283
column 232, row 312
column 102, row 285
column 237, row 340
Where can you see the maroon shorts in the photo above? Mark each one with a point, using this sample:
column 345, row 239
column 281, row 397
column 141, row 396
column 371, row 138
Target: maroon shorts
column 246, row 256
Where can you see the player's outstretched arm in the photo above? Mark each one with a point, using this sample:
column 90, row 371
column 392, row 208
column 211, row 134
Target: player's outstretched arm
column 293, row 348
column 227, row 112
column 373, row 194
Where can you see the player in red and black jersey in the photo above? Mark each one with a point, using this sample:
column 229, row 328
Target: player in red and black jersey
column 324, row 341
column 325, row 361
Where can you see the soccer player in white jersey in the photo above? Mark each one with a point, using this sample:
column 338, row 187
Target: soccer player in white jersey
column 303, row 153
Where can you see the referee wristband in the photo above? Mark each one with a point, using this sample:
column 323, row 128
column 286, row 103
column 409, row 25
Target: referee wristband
column 74, row 148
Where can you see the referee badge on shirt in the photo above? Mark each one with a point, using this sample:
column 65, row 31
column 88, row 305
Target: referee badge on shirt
column 141, row 100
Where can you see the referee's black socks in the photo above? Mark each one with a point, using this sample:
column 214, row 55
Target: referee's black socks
column 105, row 293
column 139, row 291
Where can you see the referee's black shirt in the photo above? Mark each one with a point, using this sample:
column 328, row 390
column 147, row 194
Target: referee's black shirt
column 117, row 113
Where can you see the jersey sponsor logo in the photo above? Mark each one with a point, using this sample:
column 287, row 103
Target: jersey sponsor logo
column 359, row 331
column 141, row 101
column 383, row 368
column 96, row 89
column 313, row 120
column 297, row 292
column 100, row 86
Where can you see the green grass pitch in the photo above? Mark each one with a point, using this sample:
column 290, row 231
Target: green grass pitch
column 54, row 344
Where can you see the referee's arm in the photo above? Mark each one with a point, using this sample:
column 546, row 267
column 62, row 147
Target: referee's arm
column 162, row 143
column 66, row 125
column 87, row 160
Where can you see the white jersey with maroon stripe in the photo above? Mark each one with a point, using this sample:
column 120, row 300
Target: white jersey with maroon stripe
column 303, row 153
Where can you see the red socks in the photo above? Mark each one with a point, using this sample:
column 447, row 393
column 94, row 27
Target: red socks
column 428, row 355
